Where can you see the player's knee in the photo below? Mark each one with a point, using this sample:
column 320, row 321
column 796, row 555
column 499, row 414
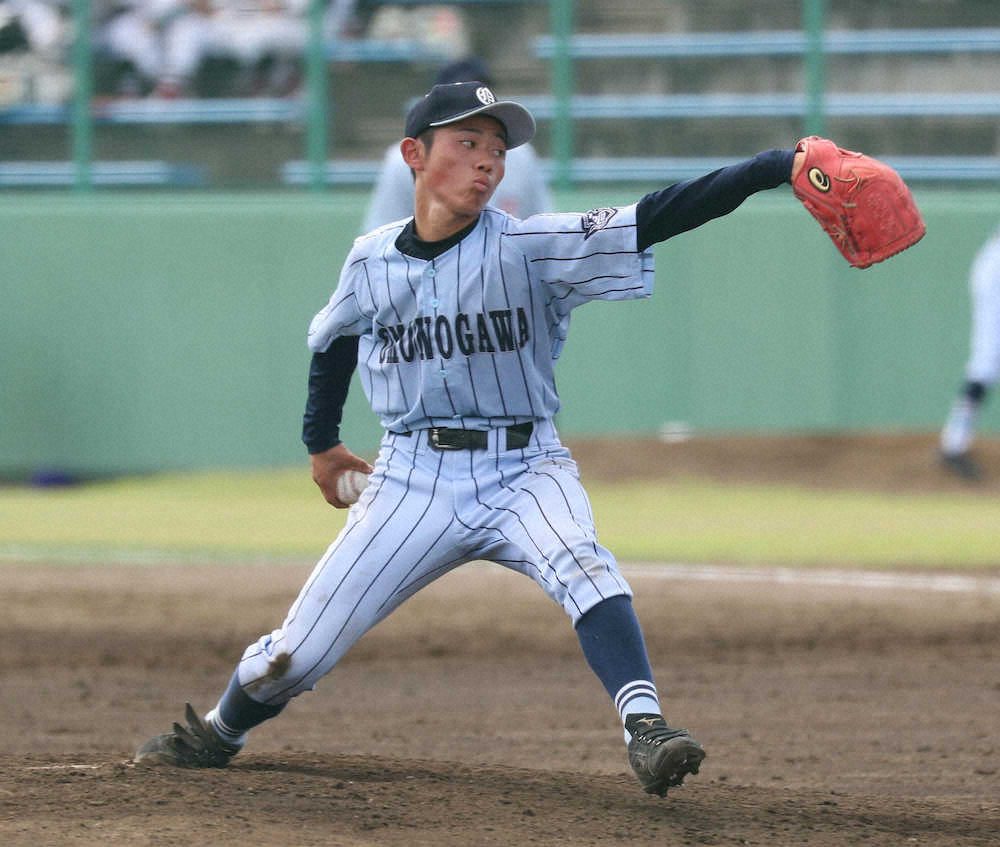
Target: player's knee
column 274, row 671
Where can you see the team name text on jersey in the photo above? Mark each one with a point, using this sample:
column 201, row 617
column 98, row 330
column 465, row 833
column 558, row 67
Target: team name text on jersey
column 427, row 337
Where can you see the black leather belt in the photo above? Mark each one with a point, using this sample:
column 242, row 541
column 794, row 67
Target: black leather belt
column 444, row 438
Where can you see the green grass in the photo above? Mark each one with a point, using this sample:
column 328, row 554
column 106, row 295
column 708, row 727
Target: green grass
column 280, row 514
column 270, row 513
column 785, row 525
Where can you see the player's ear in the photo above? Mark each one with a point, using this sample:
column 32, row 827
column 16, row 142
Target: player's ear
column 413, row 153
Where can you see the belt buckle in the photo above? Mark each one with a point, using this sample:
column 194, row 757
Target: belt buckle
column 433, row 436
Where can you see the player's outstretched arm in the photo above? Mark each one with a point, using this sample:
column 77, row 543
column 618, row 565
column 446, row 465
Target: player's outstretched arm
column 693, row 202
column 329, row 465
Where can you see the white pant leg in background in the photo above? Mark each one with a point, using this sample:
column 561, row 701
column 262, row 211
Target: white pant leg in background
column 984, row 359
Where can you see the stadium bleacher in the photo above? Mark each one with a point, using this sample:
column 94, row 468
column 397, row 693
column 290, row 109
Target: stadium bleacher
column 665, row 52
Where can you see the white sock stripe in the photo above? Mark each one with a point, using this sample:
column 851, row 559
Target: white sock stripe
column 639, row 695
column 220, row 727
column 623, row 691
column 632, row 689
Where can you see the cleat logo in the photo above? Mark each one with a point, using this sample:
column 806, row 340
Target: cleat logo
column 647, row 721
column 819, row 180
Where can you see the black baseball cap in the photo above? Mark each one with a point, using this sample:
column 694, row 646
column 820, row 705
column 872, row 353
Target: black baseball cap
column 465, row 70
column 446, row 104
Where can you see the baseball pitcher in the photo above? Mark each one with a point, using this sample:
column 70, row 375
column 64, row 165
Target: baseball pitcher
column 454, row 318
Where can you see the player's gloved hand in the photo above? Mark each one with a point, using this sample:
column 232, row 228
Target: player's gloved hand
column 329, row 465
column 861, row 203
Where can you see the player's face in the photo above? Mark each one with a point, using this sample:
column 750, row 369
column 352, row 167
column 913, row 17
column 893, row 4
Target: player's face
column 466, row 163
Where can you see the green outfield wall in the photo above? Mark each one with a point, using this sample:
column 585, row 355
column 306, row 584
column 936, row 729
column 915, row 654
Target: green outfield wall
column 141, row 332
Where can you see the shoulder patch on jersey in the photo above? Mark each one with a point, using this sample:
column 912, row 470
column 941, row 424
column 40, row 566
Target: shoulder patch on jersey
column 595, row 220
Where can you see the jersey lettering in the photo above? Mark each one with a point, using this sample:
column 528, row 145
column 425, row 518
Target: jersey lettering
column 502, row 327
column 485, row 342
column 443, row 337
column 427, row 338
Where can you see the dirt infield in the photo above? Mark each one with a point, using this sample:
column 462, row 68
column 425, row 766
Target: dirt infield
column 892, row 462
column 832, row 715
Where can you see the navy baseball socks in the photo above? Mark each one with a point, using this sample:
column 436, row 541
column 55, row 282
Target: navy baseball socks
column 613, row 645
column 237, row 713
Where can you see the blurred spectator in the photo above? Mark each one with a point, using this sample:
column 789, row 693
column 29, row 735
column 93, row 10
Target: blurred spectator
column 34, row 42
column 439, row 28
column 522, row 192
column 35, row 25
column 246, row 47
column 983, row 366
column 130, row 32
column 265, row 39
column 340, row 20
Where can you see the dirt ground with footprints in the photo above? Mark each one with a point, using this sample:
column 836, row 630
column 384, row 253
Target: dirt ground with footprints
column 833, row 714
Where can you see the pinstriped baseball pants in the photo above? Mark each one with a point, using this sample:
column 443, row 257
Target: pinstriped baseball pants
column 424, row 513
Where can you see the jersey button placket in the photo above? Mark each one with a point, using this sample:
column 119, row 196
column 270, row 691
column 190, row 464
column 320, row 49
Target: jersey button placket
column 429, row 299
column 430, row 272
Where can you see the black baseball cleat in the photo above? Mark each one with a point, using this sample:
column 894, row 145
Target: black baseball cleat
column 962, row 465
column 661, row 756
column 191, row 746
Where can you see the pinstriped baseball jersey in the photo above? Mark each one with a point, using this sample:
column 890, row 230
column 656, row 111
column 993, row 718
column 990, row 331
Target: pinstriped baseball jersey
column 468, row 339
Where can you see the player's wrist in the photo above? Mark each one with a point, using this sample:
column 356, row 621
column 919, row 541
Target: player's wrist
column 314, row 448
column 797, row 162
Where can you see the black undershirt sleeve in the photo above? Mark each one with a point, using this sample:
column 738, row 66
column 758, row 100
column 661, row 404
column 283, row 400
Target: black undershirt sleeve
column 689, row 204
column 329, row 378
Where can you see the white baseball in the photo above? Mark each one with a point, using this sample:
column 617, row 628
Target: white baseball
column 350, row 484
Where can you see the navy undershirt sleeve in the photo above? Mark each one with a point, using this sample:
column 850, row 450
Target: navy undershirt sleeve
column 329, row 378
column 689, row 204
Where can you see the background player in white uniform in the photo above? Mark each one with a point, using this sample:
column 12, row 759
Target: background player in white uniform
column 455, row 317
column 983, row 366
column 524, row 191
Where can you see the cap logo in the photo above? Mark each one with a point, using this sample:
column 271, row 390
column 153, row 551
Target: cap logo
column 485, row 96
